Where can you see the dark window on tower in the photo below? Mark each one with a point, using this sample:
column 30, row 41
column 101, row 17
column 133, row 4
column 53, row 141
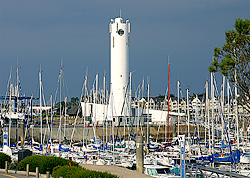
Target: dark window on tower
column 121, row 32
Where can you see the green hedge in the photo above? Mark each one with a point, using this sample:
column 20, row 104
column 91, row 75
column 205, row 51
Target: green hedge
column 79, row 172
column 65, row 171
column 3, row 158
column 45, row 163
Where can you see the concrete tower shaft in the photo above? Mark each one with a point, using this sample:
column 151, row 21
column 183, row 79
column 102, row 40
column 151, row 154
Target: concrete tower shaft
column 119, row 61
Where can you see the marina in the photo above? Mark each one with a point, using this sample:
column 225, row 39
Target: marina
column 199, row 135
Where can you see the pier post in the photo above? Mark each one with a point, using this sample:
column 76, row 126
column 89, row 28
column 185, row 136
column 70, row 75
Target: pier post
column 139, row 154
column 6, row 167
column 22, row 134
column 37, row 172
column 27, row 170
column 181, row 139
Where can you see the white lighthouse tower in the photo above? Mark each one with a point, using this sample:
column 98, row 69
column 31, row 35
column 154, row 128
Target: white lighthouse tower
column 119, row 50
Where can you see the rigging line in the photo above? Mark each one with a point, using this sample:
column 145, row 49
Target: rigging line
column 219, row 99
column 197, row 136
column 196, row 130
column 123, row 105
column 78, row 111
column 8, row 87
column 66, row 91
column 58, row 81
column 52, row 117
column 231, row 153
column 182, row 100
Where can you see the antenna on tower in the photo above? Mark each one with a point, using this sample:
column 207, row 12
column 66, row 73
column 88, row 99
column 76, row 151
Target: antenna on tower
column 120, row 13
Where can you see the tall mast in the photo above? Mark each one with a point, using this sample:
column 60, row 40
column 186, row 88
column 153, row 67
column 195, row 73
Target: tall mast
column 207, row 126
column 60, row 126
column 51, row 117
column 222, row 108
column 41, row 112
column 168, row 104
column 130, row 93
column 138, row 113
column 65, row 116
column 197, row 117
column 228, row 105
column 148, row 117
column 212, row 118
column 178, row 107
column 188, row 118
column 10, row 103
column 84, row 114
column 236, row 110
column 104, row 104
column 95, row 105
column 17, row 88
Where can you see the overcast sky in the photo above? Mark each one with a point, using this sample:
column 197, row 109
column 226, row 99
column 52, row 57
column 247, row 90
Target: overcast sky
column 42, row 33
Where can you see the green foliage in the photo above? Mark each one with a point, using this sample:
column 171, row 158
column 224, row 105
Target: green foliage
column 233, row 59
column 172, row 95
column 74, row 101
column 66, row 171
column 79, row 172
column 3, row 158
column 45, row 163
column 12, row 166
column 160, row 96
column 199, row 95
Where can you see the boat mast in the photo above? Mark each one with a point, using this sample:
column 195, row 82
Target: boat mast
column 236, row 110
column 60, row 106
column 212, row 98
column 51, row 118
column 130, row 93
column 95, row 105
column 10, row 103
column 41, row 118
column 65, row 117
column 207, row 126
column 138, row 113
column 222, row 108
column 105, row 114
column 188, row 118
column 17, row 88
column 178, row 107
column 148, row 118
column 168, row 105
column 228, row 106
column 84, row 114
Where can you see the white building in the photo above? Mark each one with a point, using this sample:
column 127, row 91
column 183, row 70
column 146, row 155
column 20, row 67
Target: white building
column 119, row 60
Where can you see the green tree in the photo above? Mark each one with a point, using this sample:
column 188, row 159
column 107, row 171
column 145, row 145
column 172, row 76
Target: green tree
column 74, row 101
column 62, row 105
column 233, row 58
column 160, row 96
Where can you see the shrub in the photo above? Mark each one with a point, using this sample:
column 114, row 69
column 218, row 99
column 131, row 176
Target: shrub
column 3, row 158
column 45, row 163
column 79, row 172
column 66, row 171
column 12, row 166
